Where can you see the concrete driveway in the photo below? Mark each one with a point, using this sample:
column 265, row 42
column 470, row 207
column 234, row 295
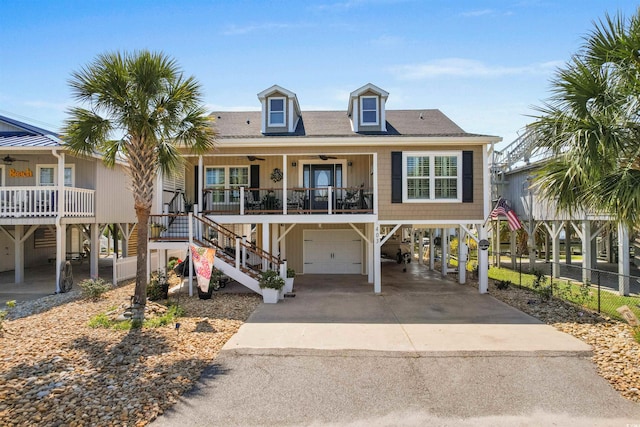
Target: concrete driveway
column 426, row 352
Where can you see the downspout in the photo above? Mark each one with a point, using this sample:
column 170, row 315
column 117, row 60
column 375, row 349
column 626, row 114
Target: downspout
column 60, row 239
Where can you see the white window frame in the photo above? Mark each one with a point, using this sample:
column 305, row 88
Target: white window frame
column 284, row 111
column 3, row 180
column 70, row 166
column 227, row 181
column 377, row 111
column 432, row 178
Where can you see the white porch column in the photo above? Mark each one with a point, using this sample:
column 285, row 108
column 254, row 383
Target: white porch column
column 567, row 242
column 496, row 245
column 513, row 248
column 483, row 264
column 369, row 230
column 432, row 250
column 556, row 226
column 266, row 242
column 444, row 242
column 413, row 244
column 200, row 199
column 275, row 248
column 531, row 243
column 586, row 251
column 377, row 280
column 18, row 253
column 285, row 179
column 462, row 256
column 61, row 251
column 623, row 259
column 94, row 232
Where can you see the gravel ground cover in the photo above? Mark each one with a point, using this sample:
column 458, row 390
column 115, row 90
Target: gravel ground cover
column 615, row 352
column 55, row 370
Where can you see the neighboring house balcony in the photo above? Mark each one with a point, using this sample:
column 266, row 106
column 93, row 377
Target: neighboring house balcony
column 291, row 201
column 45, row 202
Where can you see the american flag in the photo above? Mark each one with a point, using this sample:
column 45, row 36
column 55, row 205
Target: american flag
column 502, row 208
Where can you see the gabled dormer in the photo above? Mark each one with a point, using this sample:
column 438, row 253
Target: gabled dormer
column 280, row 110
column 367, row 109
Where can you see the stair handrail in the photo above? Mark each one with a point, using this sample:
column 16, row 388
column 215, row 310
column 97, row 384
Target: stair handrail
column 261, row 253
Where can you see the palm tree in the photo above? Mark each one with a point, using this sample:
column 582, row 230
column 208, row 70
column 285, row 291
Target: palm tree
column 140, row 107
column 591, row 124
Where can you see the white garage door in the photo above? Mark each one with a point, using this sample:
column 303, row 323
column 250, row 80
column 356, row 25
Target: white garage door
column 332, row 252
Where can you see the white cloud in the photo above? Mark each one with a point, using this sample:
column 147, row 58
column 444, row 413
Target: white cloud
column 480, row 12
column 460, row 67
column 236, row 30
column 46, row 105
column 386, row 41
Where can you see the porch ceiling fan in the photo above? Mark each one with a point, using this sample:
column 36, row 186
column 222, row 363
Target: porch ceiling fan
column 7, row 160
column 325, row 157
column 254, row 158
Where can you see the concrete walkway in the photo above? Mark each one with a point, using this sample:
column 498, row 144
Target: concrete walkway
column 426, row 352
column 41, row 281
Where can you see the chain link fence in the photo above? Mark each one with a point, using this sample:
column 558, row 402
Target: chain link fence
column 600, row 291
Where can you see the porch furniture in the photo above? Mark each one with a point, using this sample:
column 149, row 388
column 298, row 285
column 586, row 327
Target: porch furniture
column 250, row 202
column 297, row 201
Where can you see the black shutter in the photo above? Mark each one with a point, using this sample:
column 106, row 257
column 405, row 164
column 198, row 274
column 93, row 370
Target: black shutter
column 255, row 180
column 467, row 176
column 396, row 177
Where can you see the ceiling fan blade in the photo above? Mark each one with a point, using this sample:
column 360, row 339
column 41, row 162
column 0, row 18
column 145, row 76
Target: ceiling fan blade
column 325, row 157
column 254, row 158
column 8, row 160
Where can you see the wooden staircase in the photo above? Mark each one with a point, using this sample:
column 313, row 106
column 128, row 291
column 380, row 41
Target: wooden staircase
column 235, row 257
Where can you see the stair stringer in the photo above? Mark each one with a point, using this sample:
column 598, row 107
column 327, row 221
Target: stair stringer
column 237, row 275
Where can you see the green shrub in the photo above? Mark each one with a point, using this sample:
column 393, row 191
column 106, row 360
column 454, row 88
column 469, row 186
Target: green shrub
column 171, row 264
column 158, row 286
column 291, row 273
column 94, row 288
column 503, row 284
column 636, row 334
column 3, row 314
column 271, row 279
column 100, row 321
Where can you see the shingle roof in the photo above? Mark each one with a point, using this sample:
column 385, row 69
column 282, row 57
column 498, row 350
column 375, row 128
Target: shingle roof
column 428, row 123
column 26, row 135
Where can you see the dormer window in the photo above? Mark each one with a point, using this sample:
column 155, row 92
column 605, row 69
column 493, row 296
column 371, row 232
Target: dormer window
column 277, row 111
column 369, row 108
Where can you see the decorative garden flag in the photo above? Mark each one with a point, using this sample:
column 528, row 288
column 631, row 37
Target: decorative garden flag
column 203, row 262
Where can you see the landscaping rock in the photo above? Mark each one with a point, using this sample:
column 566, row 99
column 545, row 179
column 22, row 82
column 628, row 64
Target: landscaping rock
column 55, row 370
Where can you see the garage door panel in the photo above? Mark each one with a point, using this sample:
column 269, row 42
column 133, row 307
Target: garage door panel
column 332, row 252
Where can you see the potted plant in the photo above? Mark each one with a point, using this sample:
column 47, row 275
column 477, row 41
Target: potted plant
column 271, row 284
column 288, row 283
column 214, row 284
column 155, row 229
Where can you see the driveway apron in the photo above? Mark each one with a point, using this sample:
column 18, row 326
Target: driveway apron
column 427, row 351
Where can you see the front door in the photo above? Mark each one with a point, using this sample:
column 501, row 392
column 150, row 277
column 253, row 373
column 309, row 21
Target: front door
column 321, row 178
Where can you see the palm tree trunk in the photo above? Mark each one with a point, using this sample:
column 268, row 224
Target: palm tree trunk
column 140, row 294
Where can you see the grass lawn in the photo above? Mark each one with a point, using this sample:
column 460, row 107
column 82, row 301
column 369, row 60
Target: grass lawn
column 571, row 291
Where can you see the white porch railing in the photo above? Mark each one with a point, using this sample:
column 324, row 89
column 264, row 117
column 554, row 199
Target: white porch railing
column 43, row 201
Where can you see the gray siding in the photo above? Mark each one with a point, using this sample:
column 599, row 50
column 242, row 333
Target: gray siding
column 114, row 200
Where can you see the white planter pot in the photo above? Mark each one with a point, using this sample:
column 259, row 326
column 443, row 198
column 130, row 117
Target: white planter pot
column 281, row 293
column 288, row 285
column 269, row 295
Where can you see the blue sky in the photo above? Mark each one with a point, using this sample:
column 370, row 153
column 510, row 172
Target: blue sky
column 483, row 63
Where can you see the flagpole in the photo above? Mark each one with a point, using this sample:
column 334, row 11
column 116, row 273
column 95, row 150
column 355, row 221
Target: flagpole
column 494, row 207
